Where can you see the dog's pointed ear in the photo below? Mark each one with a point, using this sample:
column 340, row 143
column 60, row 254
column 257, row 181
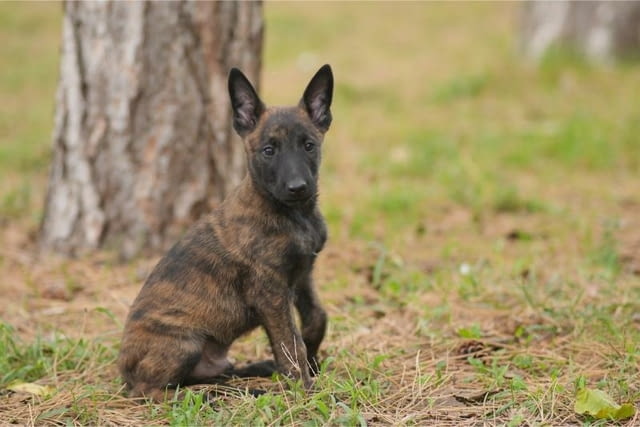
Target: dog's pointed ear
column 247, row 106
column 317, row 98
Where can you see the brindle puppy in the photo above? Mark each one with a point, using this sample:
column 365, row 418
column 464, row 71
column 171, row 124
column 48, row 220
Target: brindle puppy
column 244, row 265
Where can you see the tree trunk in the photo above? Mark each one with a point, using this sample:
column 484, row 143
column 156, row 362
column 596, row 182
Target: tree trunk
column 602, row 30
column 143, row 143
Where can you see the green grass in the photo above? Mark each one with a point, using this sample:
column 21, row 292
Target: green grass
column 483, row 230
column 28, row 73
column 460, row 87
column 47, row 356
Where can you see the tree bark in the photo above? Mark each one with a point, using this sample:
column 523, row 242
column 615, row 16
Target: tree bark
column 602, row 30
column 143, row 143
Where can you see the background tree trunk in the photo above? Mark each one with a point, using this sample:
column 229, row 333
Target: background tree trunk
column 602, row 30
column 143, row 143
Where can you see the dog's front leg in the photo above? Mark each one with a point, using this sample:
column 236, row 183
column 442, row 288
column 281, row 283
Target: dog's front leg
column 288, row 348
column 314, row 320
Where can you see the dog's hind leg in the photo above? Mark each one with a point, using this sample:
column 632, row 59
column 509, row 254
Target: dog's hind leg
column 150, row 366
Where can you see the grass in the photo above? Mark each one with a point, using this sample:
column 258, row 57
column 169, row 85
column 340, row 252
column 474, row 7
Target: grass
column 483, row 263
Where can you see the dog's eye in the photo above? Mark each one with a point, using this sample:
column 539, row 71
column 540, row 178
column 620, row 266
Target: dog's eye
column 309, row 146
column 268, row 151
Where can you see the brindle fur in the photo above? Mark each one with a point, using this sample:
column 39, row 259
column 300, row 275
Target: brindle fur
column 244, row 265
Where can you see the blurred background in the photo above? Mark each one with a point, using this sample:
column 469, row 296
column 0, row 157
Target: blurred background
column 435, row 105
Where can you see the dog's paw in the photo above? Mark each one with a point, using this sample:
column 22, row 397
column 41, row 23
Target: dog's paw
column 314, row 366
column 255, row 392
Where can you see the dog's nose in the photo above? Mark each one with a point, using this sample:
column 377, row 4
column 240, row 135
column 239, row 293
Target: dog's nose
column 297, row 186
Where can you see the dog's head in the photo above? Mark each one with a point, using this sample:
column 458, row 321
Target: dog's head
column 283, row 143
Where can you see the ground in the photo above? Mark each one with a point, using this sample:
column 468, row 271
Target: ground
column 484, row 256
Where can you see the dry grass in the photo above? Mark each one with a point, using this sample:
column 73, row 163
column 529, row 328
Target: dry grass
column 484, row 259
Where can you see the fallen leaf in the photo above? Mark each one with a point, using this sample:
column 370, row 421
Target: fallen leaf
column 599, row 404
column 32, row 388
column 476, row 399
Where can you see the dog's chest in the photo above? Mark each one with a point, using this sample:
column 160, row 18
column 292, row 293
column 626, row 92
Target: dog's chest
column 308, row 236
column 306, row 240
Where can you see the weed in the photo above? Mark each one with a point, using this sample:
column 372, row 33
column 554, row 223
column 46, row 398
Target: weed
column 193, row 409
column 474, row 331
